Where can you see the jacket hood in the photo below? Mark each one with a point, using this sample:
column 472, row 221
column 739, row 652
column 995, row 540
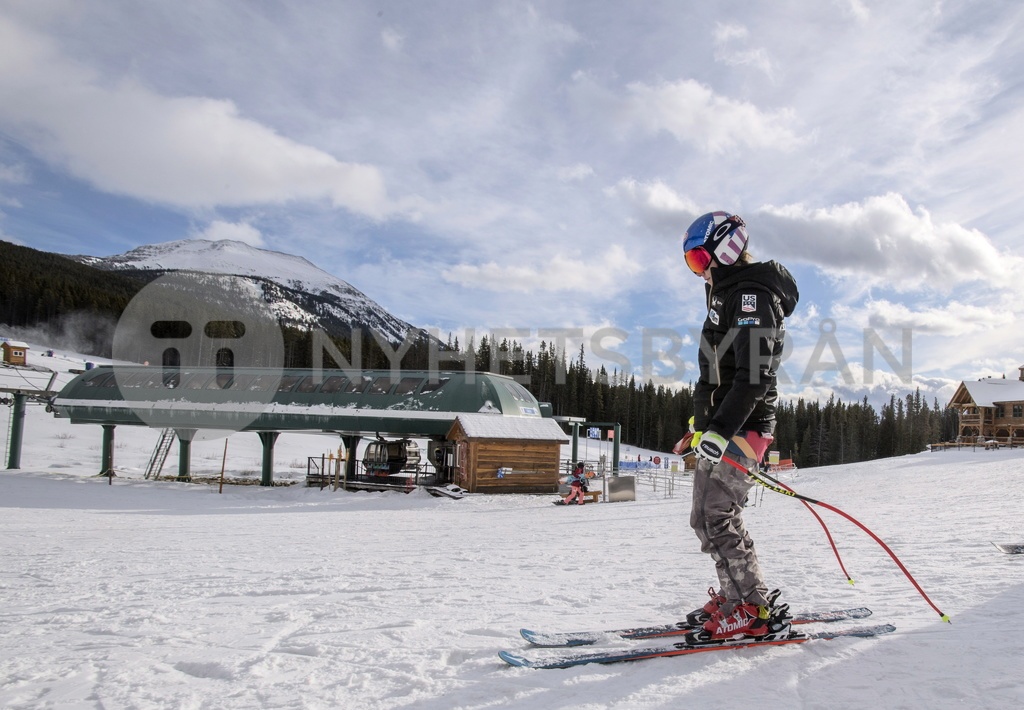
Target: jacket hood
column 770, row 275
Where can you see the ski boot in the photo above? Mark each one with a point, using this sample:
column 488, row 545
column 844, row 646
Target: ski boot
column 699, row 616
column 747, row 621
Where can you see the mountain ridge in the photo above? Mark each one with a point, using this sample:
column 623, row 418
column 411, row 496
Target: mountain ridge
column 300, row 293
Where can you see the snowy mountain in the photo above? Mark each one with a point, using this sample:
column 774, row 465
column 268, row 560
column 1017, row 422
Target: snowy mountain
column 300, row 293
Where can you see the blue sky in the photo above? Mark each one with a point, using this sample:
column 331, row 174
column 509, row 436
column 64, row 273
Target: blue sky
column 532, row 166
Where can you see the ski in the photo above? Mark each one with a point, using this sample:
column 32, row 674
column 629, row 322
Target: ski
column 587, row 638
column 1010, row 548
column 619, row 655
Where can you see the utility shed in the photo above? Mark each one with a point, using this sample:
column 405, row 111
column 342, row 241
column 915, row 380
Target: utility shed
column 507, row 454
column 14, row 352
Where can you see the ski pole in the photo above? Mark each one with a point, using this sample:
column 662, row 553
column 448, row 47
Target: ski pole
column 685, row 442
column 760, row 478
column 824, row 527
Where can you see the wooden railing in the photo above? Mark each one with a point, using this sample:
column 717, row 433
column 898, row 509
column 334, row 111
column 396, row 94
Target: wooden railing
column 981, row 442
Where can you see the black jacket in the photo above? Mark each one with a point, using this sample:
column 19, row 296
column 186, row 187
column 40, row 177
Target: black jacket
column 741, row 347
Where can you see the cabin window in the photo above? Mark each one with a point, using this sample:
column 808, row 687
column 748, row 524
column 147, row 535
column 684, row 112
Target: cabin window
column 1018, row 411
column 135, row 380
column 288, row 383
column 307, row 385
column 434, row 386
column 1000, row 412
column 381, row 385
column 262, row 383
column 333, row 384
column 221, row 381
column 195, row 381
column 143, row 379
column 357, row 385
column 105, row 380
column 225, row 381
column 408, row 385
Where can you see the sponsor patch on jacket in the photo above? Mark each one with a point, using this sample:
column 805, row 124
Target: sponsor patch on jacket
column 713, row 316
column 749, row 320
column 748, row 304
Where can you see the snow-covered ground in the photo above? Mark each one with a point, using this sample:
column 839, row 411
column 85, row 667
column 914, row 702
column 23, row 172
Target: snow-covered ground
column 145, row 594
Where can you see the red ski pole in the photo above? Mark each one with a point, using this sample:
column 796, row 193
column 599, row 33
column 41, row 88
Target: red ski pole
column 824, row 527
column 685, row 443
column 793, row 494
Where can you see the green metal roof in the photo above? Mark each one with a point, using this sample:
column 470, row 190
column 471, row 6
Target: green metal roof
column 412, row 403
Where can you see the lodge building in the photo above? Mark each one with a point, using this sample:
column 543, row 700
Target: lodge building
column 991, row 409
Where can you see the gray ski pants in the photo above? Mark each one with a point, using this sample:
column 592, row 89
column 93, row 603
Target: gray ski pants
column 719, row 492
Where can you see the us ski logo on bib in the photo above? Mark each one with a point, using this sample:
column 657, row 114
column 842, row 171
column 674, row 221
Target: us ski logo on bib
column 749, row 303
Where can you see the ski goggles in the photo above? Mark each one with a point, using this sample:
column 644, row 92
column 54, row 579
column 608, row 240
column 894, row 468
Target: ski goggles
column 698, row 259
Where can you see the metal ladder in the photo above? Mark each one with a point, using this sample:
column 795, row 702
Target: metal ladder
column 163, row 446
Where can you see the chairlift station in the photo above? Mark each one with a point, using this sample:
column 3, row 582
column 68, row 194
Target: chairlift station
column 486, row 432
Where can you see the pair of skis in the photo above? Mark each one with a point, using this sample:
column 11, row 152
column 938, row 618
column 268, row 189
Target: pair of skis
column 567, row 659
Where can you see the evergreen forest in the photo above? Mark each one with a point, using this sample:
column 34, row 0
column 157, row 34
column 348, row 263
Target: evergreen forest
column 655, row 417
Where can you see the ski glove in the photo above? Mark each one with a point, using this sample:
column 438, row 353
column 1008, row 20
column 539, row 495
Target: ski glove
column 689, row 441
column 710, row 446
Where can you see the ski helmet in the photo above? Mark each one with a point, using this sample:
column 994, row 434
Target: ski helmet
column 722, row 236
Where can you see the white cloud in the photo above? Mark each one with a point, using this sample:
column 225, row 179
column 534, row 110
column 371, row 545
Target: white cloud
column 604, row 275
column 13, row 174
column 881, row 241
column 234, row 231
column 953, row 318
column 656, row 205
column 725, row 33
column 859, row 12
column 183, row 151
column 392, row 39
column 693, row 113
column 732, row 48
column 572, row 173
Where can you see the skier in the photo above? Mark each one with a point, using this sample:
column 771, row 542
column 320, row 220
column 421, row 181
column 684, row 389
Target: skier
column 734, row 411
column 578, row 482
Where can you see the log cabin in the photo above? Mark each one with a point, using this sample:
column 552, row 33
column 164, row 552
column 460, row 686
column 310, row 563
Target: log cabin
column 991, row 409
